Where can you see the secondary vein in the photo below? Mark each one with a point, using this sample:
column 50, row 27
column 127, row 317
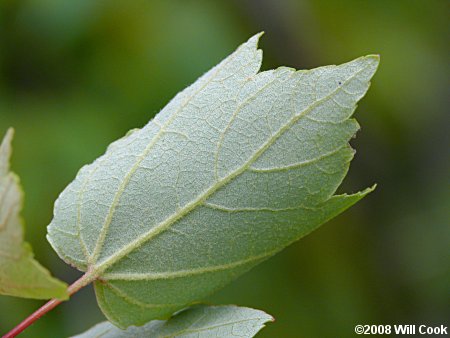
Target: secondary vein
column 184, row 273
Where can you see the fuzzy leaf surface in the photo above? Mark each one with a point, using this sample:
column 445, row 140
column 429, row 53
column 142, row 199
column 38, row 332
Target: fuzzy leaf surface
column 235, row 168
column 20, row 274
column 226, row 321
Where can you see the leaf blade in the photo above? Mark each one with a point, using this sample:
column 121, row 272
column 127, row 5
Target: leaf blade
column 207, row 183
column 212, row 321
column 20, row 274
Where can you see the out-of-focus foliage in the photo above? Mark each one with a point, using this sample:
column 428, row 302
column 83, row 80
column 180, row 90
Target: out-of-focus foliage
column 75, row 75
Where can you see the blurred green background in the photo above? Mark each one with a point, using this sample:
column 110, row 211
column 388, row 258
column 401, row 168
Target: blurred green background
column 76, row 75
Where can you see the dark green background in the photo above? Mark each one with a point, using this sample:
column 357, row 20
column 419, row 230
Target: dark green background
column 76, row 75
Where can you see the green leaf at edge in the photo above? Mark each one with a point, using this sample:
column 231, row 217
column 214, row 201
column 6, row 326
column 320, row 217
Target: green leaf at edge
column 225, row 321
column 20, row 274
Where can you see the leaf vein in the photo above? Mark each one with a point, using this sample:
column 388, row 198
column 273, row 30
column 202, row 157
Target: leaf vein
column 230, row 122
column 134, row 301
column 298, row 164
column 184, row 273
column 235, row 210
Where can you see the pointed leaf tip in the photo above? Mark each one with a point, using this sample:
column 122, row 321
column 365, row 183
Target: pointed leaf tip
column 254, row 40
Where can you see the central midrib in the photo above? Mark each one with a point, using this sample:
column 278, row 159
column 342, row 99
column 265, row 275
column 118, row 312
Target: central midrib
column 161, row 227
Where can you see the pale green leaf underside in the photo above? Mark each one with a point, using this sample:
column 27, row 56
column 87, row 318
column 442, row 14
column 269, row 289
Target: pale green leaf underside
column 236, row 167
column 20, row 274
column 225, row 321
